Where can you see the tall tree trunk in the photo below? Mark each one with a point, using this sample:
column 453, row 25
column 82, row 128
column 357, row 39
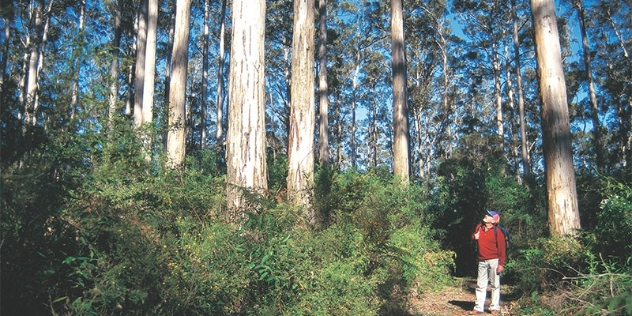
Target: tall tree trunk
column 139, row 78
column 150, row 61
column 114, row 66
column 443, row 45
column 354, row 143
column 34, row 59
column 147, row 100
column 558, row 152
column 24, row 72
column 245, row 138
column 524, row 146
column 496, row 71
column 323, row 124
column 594, row 107
column 176, row 137
column 220, row 78
column 204, row 94
column 33, row 47
column 40, row 59
column 401, row 164
column 300, row 178
column 513, row 137
column 497, row 95
column 77, row 63
column 168, row 70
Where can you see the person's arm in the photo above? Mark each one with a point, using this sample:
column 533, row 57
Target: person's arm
column 502, row 251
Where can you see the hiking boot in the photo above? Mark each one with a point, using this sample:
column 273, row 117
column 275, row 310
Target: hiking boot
column 495, row 312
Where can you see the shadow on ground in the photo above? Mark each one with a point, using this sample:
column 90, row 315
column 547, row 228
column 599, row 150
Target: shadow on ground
column 464, row 305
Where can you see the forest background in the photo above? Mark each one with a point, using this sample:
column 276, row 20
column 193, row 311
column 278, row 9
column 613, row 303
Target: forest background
column 121, row 196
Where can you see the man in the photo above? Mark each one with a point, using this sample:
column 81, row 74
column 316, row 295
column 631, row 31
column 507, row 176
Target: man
column 491, row 259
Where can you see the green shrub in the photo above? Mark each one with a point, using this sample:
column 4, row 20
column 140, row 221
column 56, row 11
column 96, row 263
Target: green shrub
column 134, row 239
column 544, row 264
column 35, row 236
column 422, row 264
column 613, row 228
column 333, row 275
column 207, row 271
column 605, row 286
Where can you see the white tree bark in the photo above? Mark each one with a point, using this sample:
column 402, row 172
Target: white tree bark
column 558, row 152
column 139, row 78
column 34, row 44
column 302, row 109
column 401, row 163
column 150, row 62
column 323, row 100
column 77, row 66
column 245, row 139
column 114, row 67
column 176, row 138
column 498, row 99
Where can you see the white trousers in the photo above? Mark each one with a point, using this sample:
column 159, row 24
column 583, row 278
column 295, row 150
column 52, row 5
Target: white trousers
column 487, row 274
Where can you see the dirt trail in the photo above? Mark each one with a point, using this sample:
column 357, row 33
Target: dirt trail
column 454, row 301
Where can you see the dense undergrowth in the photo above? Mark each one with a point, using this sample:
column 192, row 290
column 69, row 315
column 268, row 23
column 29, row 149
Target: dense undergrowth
column 120, row 236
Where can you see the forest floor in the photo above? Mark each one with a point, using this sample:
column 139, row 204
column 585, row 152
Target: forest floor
column 457, row 300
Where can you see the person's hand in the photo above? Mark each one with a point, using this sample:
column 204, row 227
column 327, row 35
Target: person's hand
column 476, row 235
column 499, row 269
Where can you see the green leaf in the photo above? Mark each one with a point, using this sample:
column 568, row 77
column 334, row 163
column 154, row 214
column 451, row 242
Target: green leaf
column 263, row 275
column 265, row 258
column 286, row 238
column 57, row 300
column 69, row 260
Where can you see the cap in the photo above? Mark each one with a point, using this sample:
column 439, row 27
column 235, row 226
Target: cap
column 494, row 215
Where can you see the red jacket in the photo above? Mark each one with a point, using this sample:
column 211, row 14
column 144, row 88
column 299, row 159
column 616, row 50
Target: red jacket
column 491, row 245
